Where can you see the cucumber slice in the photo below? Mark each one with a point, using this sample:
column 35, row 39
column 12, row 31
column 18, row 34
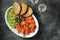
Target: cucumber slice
column 11, row 18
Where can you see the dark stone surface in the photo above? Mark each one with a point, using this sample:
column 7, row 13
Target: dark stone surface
column 49, row 21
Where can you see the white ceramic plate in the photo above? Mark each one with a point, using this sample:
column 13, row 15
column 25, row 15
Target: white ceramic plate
column 16, row 31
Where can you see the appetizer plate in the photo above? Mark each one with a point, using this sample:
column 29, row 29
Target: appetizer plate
column 16, row 31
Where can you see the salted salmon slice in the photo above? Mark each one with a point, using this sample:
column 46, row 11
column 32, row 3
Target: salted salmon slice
column 24, row 8
column 16, row 7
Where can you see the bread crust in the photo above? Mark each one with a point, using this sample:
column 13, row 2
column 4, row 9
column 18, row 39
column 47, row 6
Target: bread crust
column 24, row 8
column 16, row 7
column 29, row 12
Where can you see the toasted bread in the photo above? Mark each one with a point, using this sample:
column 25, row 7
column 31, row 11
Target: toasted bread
column 29, row 12
column 16, row 7
column 24, row 8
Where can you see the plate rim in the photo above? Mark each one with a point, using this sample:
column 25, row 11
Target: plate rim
column 11, row 27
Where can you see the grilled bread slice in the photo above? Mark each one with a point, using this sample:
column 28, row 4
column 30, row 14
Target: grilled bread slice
column 24, row 8
column 29, row 12
column 16, row 7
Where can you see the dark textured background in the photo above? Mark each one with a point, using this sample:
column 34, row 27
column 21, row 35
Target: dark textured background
column 49, row 21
